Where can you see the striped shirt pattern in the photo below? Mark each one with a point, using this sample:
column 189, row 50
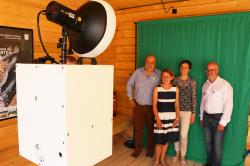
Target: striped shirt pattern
column 166, row 110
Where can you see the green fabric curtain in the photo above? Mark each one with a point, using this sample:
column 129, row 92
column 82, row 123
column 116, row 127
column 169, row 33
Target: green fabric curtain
column 221, row 38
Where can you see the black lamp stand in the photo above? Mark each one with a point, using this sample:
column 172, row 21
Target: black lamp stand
column 63, row 45
column 130, row 143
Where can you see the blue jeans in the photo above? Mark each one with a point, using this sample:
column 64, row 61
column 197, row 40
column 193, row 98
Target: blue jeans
column 213, row 139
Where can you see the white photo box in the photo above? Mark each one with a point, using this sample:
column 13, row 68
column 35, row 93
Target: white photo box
column 65, row 113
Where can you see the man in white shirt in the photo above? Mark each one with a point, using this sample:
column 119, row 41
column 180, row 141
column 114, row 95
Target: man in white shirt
column 215, row 112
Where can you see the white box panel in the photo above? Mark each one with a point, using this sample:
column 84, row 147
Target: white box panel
column 65, row 113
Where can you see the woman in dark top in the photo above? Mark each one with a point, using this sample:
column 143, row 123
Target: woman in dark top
column 166, row 112
column 187, row 88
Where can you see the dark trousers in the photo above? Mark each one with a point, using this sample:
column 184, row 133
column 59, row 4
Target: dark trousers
column 143, row 115
column 213, row 139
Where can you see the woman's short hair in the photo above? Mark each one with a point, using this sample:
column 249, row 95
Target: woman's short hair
column 187, row 62
column 170, row 72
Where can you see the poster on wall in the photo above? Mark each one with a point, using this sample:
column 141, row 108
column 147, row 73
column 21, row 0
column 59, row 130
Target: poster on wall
column 16, row 46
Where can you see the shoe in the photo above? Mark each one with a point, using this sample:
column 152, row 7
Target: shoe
column 136, row 153
column 163, row 163
column 183, row 162
column 174, row 159
column 156, row 163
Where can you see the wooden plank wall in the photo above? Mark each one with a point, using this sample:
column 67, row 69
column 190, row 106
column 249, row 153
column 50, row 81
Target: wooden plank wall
column 125, row 38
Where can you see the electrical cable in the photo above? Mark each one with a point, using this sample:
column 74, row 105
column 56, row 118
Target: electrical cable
column 47, row 57
column 166, row 11
column 39, row 32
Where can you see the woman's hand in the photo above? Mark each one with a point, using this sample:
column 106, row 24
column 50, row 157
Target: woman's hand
column 159, row 124
column 192, row 118
column 176, row 121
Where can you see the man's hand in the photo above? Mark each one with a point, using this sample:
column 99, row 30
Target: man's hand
column 132, row 103
column 201, row 123
column 192, row 118
column 220, row 127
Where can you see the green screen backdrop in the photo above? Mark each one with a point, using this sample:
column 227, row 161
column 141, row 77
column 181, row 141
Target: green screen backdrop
column 224, row 39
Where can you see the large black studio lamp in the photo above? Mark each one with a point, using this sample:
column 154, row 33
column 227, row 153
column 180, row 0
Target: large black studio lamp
column 90, row 28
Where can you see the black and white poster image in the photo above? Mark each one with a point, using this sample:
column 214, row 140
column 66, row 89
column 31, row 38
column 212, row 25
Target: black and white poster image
column 16, row 46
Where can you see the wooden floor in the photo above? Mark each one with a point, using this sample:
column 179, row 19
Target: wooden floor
column 9, row 145
column 121, row 155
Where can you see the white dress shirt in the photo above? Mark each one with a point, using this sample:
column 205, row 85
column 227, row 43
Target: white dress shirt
column 217, row 97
